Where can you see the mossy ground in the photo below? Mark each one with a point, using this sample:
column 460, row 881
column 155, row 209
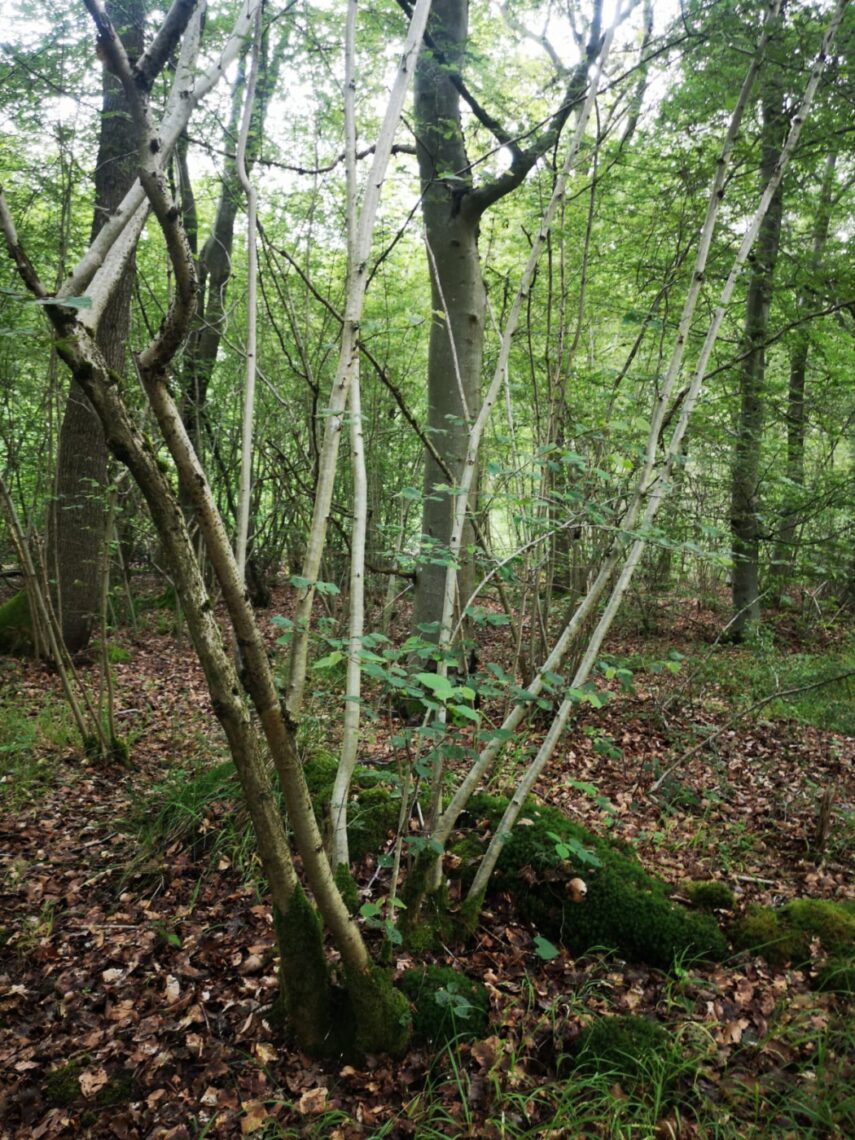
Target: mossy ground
column 62, row 1087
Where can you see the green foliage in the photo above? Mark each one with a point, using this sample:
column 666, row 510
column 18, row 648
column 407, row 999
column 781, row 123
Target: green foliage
column 710, row 895
column 447, row 1005
column 621, row 1047
column 784, row 935
column 625, row 909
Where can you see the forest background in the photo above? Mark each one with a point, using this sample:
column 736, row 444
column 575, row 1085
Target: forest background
column 467, row 332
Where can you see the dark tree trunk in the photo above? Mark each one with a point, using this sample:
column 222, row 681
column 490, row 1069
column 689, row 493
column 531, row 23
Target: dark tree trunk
column 745, row 479
column 791, row 510
column 457, row 296
column 77, row 519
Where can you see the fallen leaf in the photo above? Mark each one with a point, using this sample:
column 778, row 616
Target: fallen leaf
column 313, row 1101
column 255, row 1115
column 92, row 1081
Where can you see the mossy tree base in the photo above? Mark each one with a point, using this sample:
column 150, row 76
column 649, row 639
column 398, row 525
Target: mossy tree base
column 367, row 1016
column 381, row 1014
column 305, row 987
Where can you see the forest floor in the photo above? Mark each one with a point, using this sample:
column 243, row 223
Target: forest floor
column 136, row 984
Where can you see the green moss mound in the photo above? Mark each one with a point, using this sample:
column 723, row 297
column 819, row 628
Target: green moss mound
column 16, row 626
column 625, row 1048
column 784, row 935
column 626, row 909
column 447, row 1005
column 374, row 808
column 710, row 895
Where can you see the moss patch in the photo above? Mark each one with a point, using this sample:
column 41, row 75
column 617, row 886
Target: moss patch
column 374, row 803
column 16, row 626
column 62, row 1086
column 711, row 895
column 447, row 1005
column 372, row 816
column 626, row 909
column 348, row 889
column 785, row 935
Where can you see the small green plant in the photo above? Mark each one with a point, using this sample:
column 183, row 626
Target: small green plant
column 447, row 1005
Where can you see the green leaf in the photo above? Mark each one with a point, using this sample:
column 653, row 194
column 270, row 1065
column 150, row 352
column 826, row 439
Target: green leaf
column 67, row 302
column 544, row 948
column 466, row 711
column 441, row 687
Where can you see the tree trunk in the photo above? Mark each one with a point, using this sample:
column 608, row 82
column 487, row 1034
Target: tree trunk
column 76, row 523
column 785, row 550
column 458, row 297
column 745, row 478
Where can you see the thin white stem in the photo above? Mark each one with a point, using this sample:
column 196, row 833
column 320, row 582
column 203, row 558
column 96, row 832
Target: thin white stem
column 357, row 284
column 245, row 496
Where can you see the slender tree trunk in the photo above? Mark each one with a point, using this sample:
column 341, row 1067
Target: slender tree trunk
column 76, row 522
column 745, row 477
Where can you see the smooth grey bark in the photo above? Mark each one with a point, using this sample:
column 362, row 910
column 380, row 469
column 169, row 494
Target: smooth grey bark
column 77, row 517
column 458, row 297
column 745, row 475
column 452, row 207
